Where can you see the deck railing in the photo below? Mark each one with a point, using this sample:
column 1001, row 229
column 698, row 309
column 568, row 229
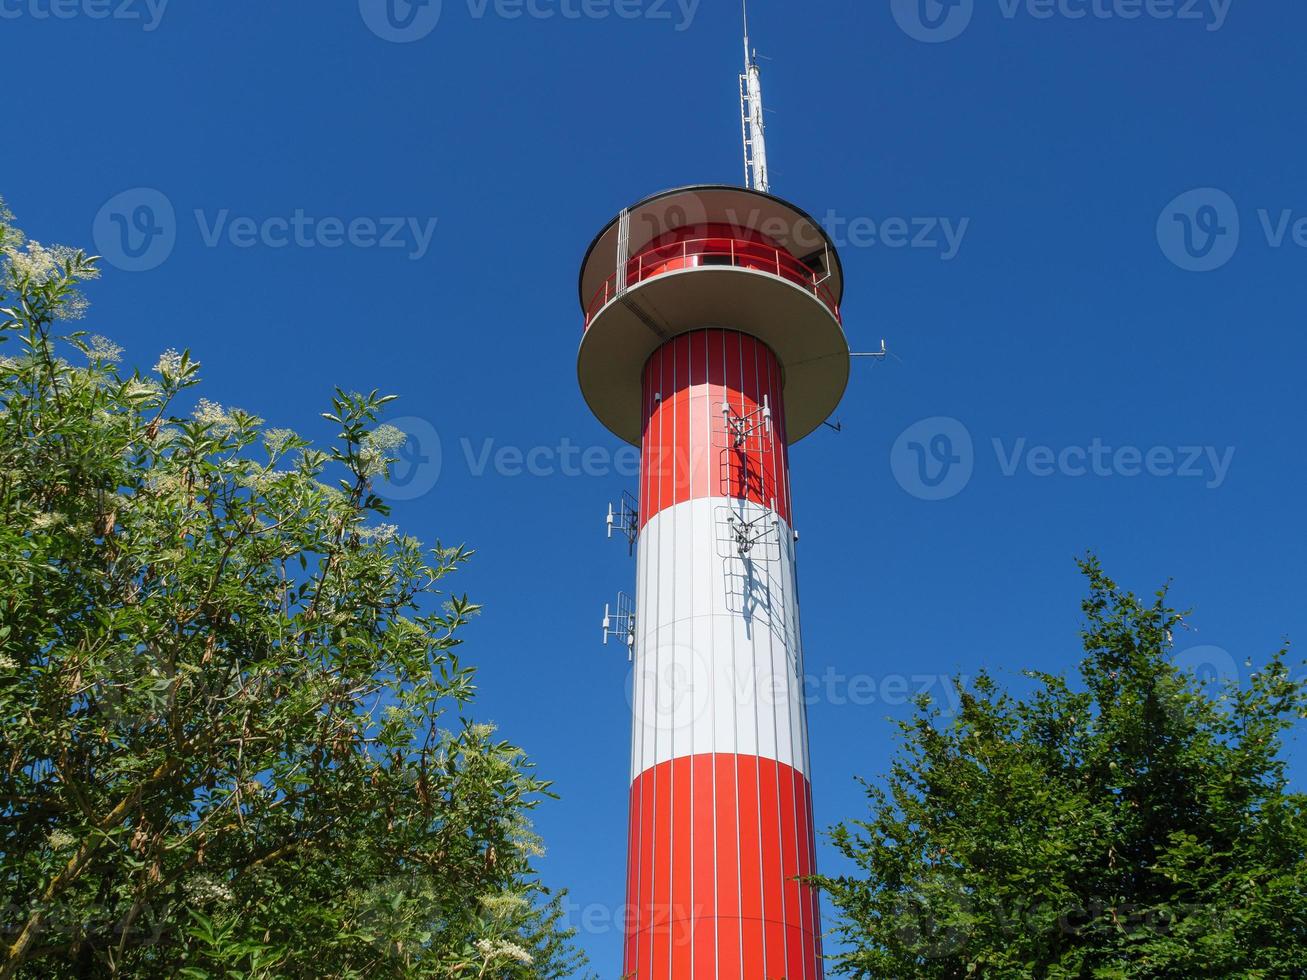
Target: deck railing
column 705, row 252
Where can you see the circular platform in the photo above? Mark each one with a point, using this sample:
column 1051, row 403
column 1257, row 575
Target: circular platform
column 798, row 319
column 805, row 336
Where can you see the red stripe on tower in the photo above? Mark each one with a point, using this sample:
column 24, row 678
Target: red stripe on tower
column 727, row 924
column 687, row 382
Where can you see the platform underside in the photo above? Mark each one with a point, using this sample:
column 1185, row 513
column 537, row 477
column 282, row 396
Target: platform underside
column 805, row 336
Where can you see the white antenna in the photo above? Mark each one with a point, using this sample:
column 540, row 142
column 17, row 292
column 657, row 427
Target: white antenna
column 752, row 126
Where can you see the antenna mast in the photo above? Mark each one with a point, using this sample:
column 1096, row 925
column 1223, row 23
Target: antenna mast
column 752, row 126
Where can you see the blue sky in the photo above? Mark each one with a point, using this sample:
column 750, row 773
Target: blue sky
column 1105, row 351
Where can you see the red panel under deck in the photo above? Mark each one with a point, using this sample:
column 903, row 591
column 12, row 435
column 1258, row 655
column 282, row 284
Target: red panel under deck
column 742, row 919
column 688, row 450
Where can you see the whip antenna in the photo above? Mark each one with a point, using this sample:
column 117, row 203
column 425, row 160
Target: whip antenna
column 752, row 125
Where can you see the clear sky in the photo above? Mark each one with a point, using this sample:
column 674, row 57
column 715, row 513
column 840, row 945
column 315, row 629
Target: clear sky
column 1070, row 321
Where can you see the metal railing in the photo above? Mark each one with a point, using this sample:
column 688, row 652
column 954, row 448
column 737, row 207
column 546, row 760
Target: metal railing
column 707, row 252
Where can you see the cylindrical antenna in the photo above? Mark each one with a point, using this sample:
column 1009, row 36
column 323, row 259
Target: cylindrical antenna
column 751, row 113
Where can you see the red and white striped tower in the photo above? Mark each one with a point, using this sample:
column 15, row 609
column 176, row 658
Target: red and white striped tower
column 713, row 341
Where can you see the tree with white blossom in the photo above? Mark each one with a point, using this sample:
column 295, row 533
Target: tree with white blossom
column 236, row 734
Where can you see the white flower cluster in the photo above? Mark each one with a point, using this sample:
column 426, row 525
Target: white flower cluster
column 170, row 362
column 260, row 481
column 275, row 440
column 39, row 264
column 202, row 889
column 7, row 662
column 496, row 949
column 504, row 904
column 103, row 349
column 528, row 844
column 61, row 840
column 379, row 445
column 46, row 521
column 221, row 421
column 381, row 534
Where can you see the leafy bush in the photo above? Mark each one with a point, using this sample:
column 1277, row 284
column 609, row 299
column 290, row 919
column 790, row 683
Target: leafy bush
column 234, row 724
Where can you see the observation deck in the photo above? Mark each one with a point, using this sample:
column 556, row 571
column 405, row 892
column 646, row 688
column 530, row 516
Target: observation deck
column 712, row 256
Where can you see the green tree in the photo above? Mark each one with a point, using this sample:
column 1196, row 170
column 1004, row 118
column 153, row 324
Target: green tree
column 235, row 737
column 1132, row 825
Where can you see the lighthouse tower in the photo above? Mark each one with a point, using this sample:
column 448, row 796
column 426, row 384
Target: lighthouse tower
column 713, row 341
